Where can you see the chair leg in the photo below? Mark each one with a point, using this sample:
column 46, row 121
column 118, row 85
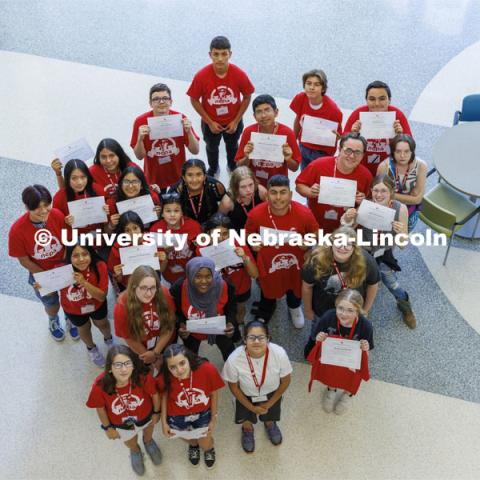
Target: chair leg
column 448, row 249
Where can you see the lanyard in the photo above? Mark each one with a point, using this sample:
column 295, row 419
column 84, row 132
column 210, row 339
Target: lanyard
column 401, row 185
column 244, row 207
column 252, row 370
column 352, row 330
column 125, row 406
column 152, row 321
column 114, row 180
column 340, row 276
column 187, row 396
column 195, row 211
column 275, row 129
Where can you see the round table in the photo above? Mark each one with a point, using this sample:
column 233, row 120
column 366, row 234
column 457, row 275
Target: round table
column 456, row 157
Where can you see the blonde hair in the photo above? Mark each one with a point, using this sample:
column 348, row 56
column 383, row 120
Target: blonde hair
column 135, row 318
column 353, row 297
column 239, row 174
column 322, row 260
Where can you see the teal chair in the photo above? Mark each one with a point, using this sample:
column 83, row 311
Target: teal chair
column 445, row 210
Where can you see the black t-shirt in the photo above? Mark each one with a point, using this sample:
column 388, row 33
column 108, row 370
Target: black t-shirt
column 238, row 216
column 326, row 289
column 328, row 324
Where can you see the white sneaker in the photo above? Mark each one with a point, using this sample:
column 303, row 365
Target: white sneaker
column 328, row 400
column 343, row 404
column 297, row 317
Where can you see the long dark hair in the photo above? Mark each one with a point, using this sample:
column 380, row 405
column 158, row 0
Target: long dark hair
column 144, row 189
column 70, row 166
column 116, row 148
column 172, row 351
column 129, row 217
column 107, row 382
column 94, row 258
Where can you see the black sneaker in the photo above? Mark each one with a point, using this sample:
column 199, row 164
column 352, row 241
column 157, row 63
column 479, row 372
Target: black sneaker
column 210, row 458
column 194, row 454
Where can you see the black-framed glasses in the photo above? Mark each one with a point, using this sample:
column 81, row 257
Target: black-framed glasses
column 119, row 365
column 160, row 99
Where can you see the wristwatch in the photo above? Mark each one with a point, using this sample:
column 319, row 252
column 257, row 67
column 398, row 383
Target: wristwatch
column 103, row 427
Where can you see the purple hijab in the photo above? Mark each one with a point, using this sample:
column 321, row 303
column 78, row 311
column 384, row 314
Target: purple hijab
column 206, row 302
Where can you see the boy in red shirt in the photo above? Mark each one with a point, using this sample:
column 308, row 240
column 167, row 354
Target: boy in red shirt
column 220, row 93
column 163, row 157
column 265, row 112
column 313, row 102
column 378, row 96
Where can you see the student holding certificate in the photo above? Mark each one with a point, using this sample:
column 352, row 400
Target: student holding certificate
column 345, row 321
column 37, row 252
column 378, row 96
column 144, row 316
column 203, row 293
column 287, row 155
column 383, row 193
column 313, row 102
column 258, row 374
column 163, row 157
column 127, row 404
column 189, row 386
column 408, row 173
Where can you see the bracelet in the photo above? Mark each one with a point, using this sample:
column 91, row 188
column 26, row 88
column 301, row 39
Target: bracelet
column 103, row 427
column 156, row 412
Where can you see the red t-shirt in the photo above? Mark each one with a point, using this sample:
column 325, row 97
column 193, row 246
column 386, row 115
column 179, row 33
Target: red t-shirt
column 76, row 300
column 108, row 182
column 151, row 320
column 220, row 97
column 165, row 156
column 264, row 169
column 21, row 240
column 124, row 403
column 325, row 166
column 279, row 267
column 328, row 111
column 377, row 149
column 60, row 201
column 185, row 398
column 177, row 259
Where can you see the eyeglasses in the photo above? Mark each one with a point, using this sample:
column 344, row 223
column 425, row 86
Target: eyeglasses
column 254, row 338
column 119, row 365
column 345, row 246
column 160, row 99
column 131, row 183
column 356, row 153
column 145, row 289
column 350, row 311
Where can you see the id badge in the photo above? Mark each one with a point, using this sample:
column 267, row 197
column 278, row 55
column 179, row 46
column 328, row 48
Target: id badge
column 222, row 110
column 331, row 215
column 176, row 269
column 163, row 160
column 151, row 343
column 379, row 253
column 260, row 398
column 261, row 174
column 87, row 309
column 192, row 418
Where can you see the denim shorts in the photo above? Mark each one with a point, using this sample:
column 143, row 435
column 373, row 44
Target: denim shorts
column 186, row 422
column 48, row 301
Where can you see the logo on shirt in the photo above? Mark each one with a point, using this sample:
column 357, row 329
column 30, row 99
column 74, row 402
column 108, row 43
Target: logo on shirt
column 42, row 252
column 190, row 397
column 132, row 402
column 379, row 146
column 185, row 252
column 265, row 164
column 284, row 261
column 222, row 95
column 194, row 314
column 76, row 294
column 163, row 147
column 151, row 324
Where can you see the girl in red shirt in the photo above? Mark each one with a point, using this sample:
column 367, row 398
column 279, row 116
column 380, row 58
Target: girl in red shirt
column 189, row 387
column 127, row 403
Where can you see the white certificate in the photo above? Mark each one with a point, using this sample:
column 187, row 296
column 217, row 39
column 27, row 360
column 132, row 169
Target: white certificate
column 375, row 216
column 190, row 434
column 286, row 235
column 143, row 206
column 377, row 124
column 222, row 254
column 209, row 326
column 79, row 149
column 338, row 192
column 319, row 131
column 55, row 279
column 165, row 126
column 267, row 147
column 341, row 352
column 133, row 257
column 87, row 211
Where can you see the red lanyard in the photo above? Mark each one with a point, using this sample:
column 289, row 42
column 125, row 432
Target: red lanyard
column 125, row 406
column 335, row 169
column 187, row 396
column 84, row 194
column 243, row 206
column 275, row 129
column 352, row 330
column 110, row 179
column 340, row 276
column 195, row 211
column 401, row 186
column 152, row 321
column 252, row 370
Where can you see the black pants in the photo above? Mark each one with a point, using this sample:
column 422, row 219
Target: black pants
column 212, row 141
column 224, row 344
column 266, row 306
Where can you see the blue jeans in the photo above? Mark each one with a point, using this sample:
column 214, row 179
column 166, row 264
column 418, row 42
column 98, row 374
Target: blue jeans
column 389, row 279
column 50, row 300
column 309, row 155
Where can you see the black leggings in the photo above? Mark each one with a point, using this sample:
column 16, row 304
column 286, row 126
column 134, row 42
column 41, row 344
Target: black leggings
column 224, row 344
column 266, row 306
